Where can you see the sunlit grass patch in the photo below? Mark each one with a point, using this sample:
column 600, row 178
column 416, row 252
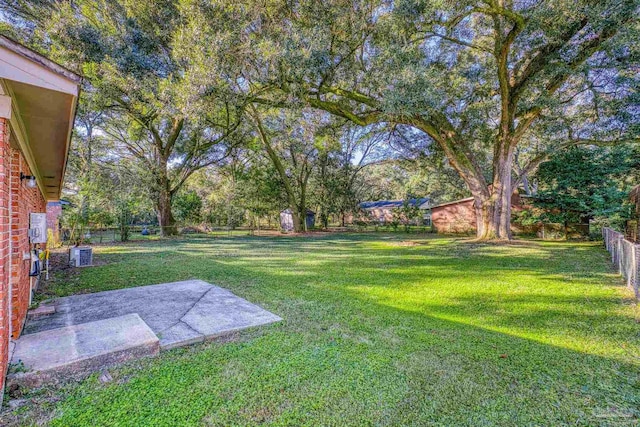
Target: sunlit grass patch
column 378, row 332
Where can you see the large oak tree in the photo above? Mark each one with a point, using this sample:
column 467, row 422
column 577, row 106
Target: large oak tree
column 497, row 85
column 481, row 79
column 151, row 103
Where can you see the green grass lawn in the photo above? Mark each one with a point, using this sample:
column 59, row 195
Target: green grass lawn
column 379, row 329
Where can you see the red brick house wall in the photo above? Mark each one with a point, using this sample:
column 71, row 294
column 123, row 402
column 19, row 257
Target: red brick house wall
column 17, row 201
column 460, row 216
column 5, row 171
column 54, row 211
column 24, row 200
column 456, row 217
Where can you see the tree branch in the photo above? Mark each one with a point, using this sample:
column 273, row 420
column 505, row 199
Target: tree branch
column 178, row 124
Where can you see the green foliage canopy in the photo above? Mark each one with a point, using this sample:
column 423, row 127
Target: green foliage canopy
column 582, row 183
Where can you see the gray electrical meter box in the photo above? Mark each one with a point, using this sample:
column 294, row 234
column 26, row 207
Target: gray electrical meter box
column 38, row 227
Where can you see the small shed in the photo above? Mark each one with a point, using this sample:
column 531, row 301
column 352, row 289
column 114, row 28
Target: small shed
column 286, row 220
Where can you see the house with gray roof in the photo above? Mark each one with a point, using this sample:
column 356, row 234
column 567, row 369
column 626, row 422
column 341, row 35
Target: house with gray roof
column 383, row 210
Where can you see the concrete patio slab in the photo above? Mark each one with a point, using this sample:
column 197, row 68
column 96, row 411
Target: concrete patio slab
column 179, row 313
column 75, row 350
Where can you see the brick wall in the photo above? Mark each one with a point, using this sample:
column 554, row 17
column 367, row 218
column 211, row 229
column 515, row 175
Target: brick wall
column 460, row 217
column 24, row 200
column 54, row 211
column 5, row 170
column 454, row 218
column 17, row 201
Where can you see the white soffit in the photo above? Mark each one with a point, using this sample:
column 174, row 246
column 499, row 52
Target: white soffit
column 20, row 64
column 43, row 103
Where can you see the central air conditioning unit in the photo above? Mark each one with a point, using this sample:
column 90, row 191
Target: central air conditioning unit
column 81, row 256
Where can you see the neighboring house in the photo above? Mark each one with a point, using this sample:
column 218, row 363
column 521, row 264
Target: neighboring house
column 54, row 212
column 37, row 108
column 383, row 210
column 459, row 216
column 286, row 220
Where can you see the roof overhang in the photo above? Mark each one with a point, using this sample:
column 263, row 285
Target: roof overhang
column 422, row 203
column 455, row 202
column 43, row 99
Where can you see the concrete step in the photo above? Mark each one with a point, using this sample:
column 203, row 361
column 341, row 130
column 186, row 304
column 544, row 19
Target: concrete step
column 77, row 351
column 40, row 311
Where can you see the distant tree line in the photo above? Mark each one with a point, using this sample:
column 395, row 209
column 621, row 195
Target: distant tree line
column 271, row 93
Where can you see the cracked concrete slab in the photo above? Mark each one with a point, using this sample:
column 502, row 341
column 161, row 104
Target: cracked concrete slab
column 211, row 315
column 178, row 335
column 179, row 313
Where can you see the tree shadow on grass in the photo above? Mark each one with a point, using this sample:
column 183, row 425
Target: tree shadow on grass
column 366, row 363
column 427, row 335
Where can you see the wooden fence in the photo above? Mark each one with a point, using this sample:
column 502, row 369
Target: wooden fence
column 625, row 257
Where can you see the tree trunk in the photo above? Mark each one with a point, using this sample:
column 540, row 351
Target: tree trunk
column 165, row 216
column 297, row 222
column 163, row 197
column 297, row 217
column 493, row 210
column 493, row 214
column 526, row 186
